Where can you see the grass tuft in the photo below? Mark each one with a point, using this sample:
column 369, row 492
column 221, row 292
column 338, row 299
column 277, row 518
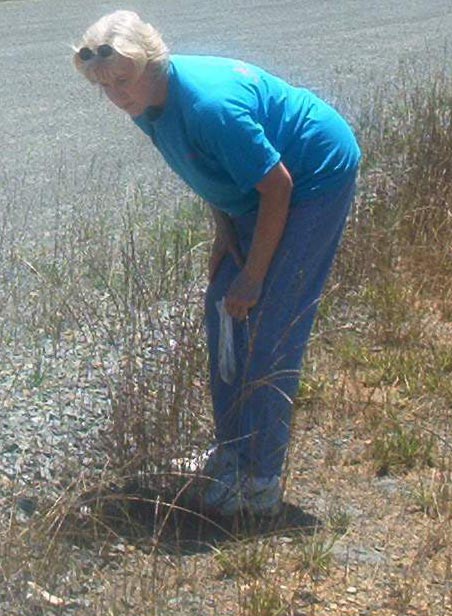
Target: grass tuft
column 399, row 448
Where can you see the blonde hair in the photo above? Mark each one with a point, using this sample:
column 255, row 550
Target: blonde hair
column 130, row 37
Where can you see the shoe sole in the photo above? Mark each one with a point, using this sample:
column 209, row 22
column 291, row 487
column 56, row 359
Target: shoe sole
column 252, row 509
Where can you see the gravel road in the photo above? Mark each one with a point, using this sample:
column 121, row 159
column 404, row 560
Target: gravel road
column 52, row 118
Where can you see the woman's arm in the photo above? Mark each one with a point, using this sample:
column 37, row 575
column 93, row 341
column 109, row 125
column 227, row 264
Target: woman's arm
column 275, row 190
column 225, row 242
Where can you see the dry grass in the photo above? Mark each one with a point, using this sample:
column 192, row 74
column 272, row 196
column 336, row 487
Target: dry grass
column 367, row 525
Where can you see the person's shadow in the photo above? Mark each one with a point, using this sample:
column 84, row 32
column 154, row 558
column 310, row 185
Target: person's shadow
column 173, row 517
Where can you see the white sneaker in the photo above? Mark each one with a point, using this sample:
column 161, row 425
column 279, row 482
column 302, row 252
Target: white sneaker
column 231, row 494
column 220, row 460
column 216, row 461
column 220, row 490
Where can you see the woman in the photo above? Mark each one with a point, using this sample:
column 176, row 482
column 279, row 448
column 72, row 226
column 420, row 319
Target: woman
column 278, row 167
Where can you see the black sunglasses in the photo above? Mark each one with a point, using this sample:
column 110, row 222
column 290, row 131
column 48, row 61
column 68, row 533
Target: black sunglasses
column 103, row 51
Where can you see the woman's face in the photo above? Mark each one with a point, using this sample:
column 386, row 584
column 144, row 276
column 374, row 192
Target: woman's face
column 128, row 89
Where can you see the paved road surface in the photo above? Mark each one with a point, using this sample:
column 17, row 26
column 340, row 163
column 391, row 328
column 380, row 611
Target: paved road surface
column 52, row 121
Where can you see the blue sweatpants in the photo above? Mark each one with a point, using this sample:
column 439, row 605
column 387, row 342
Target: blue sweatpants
column 253, row 414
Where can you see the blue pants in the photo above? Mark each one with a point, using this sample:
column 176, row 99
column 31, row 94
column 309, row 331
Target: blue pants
column 253, row 414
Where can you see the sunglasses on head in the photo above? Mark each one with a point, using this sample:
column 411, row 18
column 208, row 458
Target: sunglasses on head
column 103, row 51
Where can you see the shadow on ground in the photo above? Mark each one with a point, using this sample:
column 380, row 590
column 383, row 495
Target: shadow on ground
column 176, row 521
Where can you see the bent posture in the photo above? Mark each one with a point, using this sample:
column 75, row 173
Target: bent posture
column 278, row 166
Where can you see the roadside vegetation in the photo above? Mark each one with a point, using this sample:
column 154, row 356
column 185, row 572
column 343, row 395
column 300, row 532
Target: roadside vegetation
column 101, row 307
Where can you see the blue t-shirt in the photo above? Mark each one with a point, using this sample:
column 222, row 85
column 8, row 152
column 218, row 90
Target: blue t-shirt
column 226, row 124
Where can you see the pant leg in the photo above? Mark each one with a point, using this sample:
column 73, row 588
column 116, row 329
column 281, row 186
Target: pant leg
column 255, row 411
column 224, row 396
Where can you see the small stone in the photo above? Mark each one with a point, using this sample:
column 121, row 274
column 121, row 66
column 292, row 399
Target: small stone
column 352, row 590
column 27, row 505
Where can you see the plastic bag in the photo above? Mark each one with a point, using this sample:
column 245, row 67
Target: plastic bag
column 226, row 356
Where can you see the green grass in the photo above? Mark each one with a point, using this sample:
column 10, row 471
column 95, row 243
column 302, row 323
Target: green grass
column 115, row 288
column 398, row 448
column 314, row 555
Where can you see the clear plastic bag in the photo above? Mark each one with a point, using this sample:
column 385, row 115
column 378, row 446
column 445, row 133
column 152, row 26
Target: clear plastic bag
column 226, row 356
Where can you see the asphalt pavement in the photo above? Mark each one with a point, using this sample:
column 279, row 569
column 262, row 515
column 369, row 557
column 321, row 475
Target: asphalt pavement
column 53, row 121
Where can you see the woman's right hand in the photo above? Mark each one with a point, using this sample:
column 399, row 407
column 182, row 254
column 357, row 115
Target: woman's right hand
column 225, row 242
column 218, row 252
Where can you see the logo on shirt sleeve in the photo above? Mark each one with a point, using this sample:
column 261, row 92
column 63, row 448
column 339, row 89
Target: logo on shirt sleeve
column 247, row 72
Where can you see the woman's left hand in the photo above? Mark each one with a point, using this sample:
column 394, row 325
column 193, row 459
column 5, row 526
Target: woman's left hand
column 275, row 190
column 243, row 294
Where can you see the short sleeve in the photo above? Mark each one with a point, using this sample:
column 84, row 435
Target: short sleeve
column 238, row 143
